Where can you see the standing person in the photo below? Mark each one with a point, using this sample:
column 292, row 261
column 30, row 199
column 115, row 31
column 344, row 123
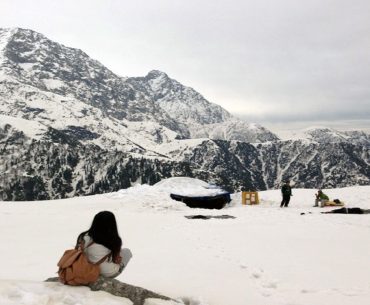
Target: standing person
column 103, row 243
column 286, row 192
column 322, row 198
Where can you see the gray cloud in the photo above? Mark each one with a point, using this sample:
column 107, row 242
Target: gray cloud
column 264, row 59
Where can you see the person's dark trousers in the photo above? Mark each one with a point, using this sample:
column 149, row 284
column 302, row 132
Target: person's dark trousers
column 285, row 201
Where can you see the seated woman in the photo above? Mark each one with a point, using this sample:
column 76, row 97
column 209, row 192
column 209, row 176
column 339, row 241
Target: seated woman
column 102, row 244
column 322, row 198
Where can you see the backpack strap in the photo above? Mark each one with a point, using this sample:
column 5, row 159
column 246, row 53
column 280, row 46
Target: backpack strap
column 81, row 245
column 102, row 259
column 88, row 244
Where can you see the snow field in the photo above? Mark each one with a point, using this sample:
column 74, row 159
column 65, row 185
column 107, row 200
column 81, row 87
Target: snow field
column 266, row 255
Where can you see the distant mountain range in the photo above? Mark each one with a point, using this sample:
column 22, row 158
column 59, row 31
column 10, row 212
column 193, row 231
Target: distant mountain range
column 69, row 126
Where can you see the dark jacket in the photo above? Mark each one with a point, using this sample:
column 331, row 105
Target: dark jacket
column 286, row 190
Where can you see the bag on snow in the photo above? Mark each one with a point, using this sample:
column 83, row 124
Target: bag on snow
column 75, row 269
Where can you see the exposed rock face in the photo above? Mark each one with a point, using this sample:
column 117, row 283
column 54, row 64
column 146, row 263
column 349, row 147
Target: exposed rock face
column 138, row 295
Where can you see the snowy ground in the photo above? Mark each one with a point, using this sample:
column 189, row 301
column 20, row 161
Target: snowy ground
column 266, row 255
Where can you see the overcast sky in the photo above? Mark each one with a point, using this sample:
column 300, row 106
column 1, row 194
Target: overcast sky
column 270, row 61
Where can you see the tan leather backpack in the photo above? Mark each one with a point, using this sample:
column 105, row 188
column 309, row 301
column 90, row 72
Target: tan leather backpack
column 75, row 269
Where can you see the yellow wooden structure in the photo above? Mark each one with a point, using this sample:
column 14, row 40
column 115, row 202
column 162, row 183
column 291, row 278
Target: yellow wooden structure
column 250, row 198
column 332, row 204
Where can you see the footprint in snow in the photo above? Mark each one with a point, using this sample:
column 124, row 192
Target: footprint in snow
column 308, row 291
column 257, row 274
column 270, row 285
column 265, row 285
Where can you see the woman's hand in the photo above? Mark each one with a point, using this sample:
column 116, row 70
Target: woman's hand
column 117, row 260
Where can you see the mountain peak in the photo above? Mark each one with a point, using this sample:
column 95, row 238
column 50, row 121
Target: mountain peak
column 24, row 45
column 156, row 74
column 20, row 33
column 8, row 30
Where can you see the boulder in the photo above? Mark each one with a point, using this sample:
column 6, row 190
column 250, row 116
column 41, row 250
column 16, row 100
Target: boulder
column 138, row 295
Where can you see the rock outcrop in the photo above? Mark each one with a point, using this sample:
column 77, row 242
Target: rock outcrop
column 138, row 295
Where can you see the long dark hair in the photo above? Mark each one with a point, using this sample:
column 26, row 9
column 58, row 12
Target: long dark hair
column 104, row 231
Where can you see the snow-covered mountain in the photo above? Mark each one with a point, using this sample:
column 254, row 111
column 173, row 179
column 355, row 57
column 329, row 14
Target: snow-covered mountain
column 191, row 110
column 65, row 89
column 183, row 103
column 69, row 126
column 322, row 134
column 58, row 165
column 329, row 135
column 267, row 165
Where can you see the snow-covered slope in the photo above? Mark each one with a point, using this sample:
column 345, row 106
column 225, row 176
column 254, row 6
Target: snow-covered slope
column 233, row 129
column 31, row 129
column 265, row 255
